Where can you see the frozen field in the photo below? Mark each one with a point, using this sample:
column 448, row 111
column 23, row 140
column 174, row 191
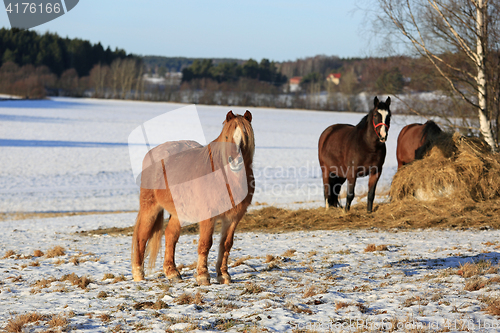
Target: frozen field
column 329, row 284
column 66, row 155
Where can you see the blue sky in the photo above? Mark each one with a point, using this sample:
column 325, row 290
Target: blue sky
column 277, row 30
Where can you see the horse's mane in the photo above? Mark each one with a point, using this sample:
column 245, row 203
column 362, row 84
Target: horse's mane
column 364, row 121
column 430, row 133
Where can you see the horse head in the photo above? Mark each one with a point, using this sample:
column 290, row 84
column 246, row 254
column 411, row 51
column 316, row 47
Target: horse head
column 381, row 118
column 238, row 132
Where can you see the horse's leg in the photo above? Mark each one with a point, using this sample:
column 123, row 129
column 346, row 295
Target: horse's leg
column 204, row 245
column 226, row 243
column 172, row 233
column 147, row 218
column 351, row 184
column 326, row 185
column 372, row 185
column 335, row 184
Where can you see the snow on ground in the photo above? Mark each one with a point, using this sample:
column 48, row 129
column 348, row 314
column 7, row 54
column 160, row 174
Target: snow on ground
column 328, row 284
column 71, row 155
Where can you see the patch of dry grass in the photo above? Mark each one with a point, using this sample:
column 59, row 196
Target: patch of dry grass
column 373, row 248
column 311, row 291
column 269, row 258
column 56, row 251
column 289, row 253
column 187, row 298
column 17, row 324
column 102, row 294
column 443, row 213
column 158, row 305
column 120, row 278
column 43, row 283
column 9, row 254
column 493, row 307
column 241, row 261
column 475, row 283
column 108, row 276
column 75, row 280
column 297, row 308
column 105, row 318
column 482, row 267
column 58, row 321
column 252, row 288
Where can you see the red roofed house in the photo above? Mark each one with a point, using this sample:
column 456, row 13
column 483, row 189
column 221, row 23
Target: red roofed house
column 294, row 83
column 334, row 78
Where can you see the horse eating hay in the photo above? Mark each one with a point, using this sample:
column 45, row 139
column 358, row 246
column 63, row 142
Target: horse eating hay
column 462, row 168
column 415, row 140
column 195, row 184
column 348, row 152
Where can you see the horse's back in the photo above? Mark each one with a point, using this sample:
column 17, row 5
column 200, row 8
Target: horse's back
column 409, row 140
column 167, row 149
column 334, row 134
column 158, row 159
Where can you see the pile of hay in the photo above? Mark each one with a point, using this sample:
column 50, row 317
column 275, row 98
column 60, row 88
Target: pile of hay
column 457, row 167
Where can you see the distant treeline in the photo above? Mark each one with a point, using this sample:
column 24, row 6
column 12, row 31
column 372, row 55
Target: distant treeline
column 33, row 65
column 161, row 65
column 266, row 71
column 24, row 47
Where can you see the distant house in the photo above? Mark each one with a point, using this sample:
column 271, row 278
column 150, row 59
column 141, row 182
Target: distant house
column 294, row 83
column 169, row 79
column 334, row 78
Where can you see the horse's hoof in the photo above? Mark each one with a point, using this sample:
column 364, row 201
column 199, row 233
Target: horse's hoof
column 172, row 275
column 174, row 278
column 203, row 280
column 138, row 273
column 224, row 279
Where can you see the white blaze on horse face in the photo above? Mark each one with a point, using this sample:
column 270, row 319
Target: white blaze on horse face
column 238, row 136
column 383, row 132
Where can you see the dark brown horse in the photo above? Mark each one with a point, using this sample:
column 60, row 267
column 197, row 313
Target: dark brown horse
column 195, row 184
column 348, row 152
column 415, row 140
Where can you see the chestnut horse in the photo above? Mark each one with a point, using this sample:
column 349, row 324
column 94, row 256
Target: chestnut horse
column 175, row 183
column 415, row 140
column 348, row 152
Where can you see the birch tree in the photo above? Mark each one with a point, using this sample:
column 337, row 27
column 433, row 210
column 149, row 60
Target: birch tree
column 468, row 28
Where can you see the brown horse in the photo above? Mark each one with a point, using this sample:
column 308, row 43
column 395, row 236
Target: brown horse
column 415, row 140
column 349, row 152
column 195, row 184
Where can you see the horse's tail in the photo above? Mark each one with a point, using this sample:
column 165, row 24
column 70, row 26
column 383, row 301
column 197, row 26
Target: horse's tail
column 430, row 133
column 154, row 240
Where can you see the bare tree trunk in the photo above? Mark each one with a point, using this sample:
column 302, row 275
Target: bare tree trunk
column 481, row 29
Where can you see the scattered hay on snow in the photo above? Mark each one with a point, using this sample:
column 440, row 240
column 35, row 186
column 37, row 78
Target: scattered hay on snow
column 459, row 167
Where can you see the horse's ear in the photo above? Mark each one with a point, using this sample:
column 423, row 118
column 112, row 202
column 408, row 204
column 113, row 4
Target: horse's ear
column 388, row 101
column 375, row 101
column 230, row 115
column 248, row 116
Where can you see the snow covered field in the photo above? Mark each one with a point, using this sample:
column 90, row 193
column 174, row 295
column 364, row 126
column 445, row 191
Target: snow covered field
column 71, row 155
column 329, row 284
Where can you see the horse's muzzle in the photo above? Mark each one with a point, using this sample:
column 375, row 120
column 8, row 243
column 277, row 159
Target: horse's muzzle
column 383, row 140
column 236, row 164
